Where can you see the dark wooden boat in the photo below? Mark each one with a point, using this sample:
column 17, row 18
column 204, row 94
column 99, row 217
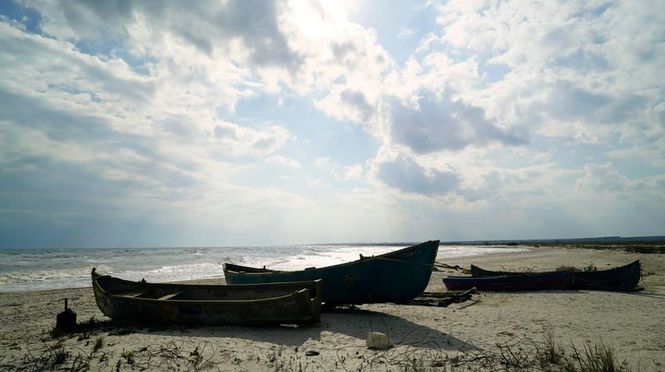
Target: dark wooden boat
column 623, row 278
column 522, row 282
column 396, row 276
column 278, row 303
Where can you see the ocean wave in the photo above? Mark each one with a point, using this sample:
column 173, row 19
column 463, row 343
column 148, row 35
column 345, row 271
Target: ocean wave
column 45, row 275
column 327, row 256
column 172, row 273
column 469, row 251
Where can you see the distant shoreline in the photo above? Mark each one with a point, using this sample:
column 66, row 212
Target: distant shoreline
column 656, row 239
column 599, row 240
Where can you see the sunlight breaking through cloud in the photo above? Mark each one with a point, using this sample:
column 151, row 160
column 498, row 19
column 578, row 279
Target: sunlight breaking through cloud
column 252, row 122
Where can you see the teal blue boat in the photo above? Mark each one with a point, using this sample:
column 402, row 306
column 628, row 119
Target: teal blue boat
column 397, row 276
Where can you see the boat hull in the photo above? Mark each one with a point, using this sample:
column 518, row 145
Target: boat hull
column 525, row 282
column 393, row 277
column 279, row 303
column 623, row 278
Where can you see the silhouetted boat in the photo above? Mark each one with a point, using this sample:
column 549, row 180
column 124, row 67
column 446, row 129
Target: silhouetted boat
column 623, row 278
column 207, row 304
column 521, row 282
column 397, row 276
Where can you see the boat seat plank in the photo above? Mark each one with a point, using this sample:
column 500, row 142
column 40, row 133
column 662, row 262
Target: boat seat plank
column 170, row 295
column 133, row 294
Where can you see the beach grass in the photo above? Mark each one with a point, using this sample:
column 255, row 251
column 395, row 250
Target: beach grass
column 99, row 343
column 589, row 357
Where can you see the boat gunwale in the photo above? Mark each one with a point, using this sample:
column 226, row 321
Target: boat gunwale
column 520, row 275
column 513, row 273
column 510, row 283
column 296, row 293
column 361, row 259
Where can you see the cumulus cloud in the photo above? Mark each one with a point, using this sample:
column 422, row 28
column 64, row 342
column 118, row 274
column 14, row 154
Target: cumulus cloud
column 580, row 60
column 405, row 174
column 239, row 140
column 283, row 160
column 338, row 171
column 603, row 178
column 75, row 126
column 568, row 102
column 443, row 124
column 346, row 104
column 211, row 27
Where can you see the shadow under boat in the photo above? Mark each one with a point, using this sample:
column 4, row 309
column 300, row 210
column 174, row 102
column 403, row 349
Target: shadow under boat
column 351, row 322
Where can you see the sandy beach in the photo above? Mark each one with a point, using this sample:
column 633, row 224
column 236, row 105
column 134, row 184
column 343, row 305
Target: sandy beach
column 471, row 335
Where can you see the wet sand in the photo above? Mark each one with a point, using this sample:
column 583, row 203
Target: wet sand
column 477, row 332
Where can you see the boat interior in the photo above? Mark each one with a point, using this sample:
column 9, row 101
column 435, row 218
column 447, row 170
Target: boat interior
column 164, row 292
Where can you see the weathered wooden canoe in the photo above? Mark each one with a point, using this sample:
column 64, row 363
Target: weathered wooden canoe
column 278, row 303
column 396, row 276
column 522, row 282
column 623, row 278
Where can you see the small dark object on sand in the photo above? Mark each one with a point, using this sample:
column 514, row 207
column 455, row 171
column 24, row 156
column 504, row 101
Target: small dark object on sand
column 442, row 299
column 66, row 320
column 311, row 352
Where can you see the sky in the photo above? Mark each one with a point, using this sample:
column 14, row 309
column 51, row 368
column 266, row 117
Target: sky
column 210, row 123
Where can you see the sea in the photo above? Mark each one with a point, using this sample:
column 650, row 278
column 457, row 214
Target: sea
column 43, row 269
